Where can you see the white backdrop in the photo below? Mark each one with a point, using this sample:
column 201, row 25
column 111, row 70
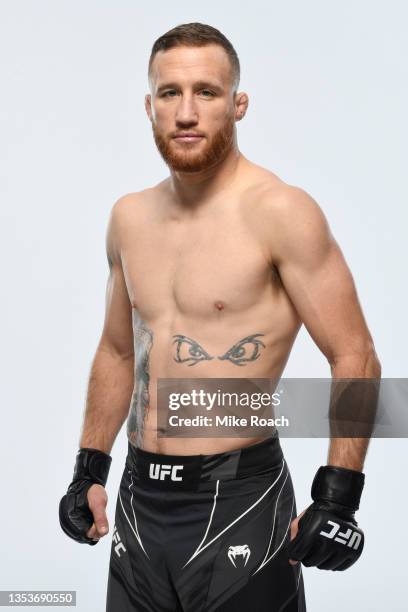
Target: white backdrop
column 327, row 83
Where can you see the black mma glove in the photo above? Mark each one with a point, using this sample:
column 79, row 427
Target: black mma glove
column 328, row 536
column 91, row 467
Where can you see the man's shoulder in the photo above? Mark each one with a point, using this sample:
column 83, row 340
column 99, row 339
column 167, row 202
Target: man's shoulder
column 277, row 195
column 281, row 203
column 286, row 214
column 138, row 202
column 131, row 202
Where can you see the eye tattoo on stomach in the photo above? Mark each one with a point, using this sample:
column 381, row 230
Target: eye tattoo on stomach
column 190, row 352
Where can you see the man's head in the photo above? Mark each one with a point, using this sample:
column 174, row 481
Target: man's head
column 194, row 75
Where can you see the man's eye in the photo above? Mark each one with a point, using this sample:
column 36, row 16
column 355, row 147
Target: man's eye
column 168, row 94
column 189, row 351
column 207, row 91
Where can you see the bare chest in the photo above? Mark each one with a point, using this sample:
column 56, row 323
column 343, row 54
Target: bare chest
column 194, row 267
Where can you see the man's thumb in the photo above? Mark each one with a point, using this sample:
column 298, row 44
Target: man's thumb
column 100, row 520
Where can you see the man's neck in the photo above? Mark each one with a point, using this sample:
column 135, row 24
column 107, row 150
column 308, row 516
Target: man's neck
column 191, row 189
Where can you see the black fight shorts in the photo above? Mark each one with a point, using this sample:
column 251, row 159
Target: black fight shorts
column 204, row 533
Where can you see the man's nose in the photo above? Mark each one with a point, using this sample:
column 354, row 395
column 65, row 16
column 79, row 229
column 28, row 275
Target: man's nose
column 186, row 111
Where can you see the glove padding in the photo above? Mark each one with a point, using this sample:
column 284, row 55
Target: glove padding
column 328, row 536
column 91, row 467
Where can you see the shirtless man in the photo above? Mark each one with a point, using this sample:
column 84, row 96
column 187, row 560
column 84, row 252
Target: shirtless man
column 220, row 259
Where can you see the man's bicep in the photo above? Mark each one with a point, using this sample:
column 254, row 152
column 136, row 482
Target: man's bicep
column 117, row 334
column 320, row 285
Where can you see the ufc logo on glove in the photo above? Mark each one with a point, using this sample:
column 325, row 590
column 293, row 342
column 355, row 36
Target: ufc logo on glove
column 350, row 538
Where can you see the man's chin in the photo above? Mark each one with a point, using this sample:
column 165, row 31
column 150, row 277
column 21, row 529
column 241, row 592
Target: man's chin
column 187, row 163
column 186, row 167
column 187, row 160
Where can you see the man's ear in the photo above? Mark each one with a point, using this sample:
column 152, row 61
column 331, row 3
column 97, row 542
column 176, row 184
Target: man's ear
column 241, row 105
column 148, row 105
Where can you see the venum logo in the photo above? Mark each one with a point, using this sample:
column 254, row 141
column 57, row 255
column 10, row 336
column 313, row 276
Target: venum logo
column 350, row 537
column 117, row 541
column 239, row 551
column 160, row 472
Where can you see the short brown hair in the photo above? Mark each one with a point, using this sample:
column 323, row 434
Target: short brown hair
column 197, row 35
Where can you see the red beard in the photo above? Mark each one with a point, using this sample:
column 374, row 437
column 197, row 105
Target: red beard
column 188, row 160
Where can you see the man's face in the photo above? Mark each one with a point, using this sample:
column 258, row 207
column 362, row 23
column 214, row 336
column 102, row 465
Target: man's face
column 192, row 94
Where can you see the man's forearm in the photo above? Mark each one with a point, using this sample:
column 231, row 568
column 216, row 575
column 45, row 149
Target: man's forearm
column 350, row 452
column 109, row 393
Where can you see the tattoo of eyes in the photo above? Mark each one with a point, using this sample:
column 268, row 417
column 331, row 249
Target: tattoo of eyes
column 247, row 349
column 189, row 351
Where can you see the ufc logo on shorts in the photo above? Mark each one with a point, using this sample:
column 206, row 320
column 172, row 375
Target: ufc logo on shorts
column 159, row 472
column 117, row 541
column 349, row 538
